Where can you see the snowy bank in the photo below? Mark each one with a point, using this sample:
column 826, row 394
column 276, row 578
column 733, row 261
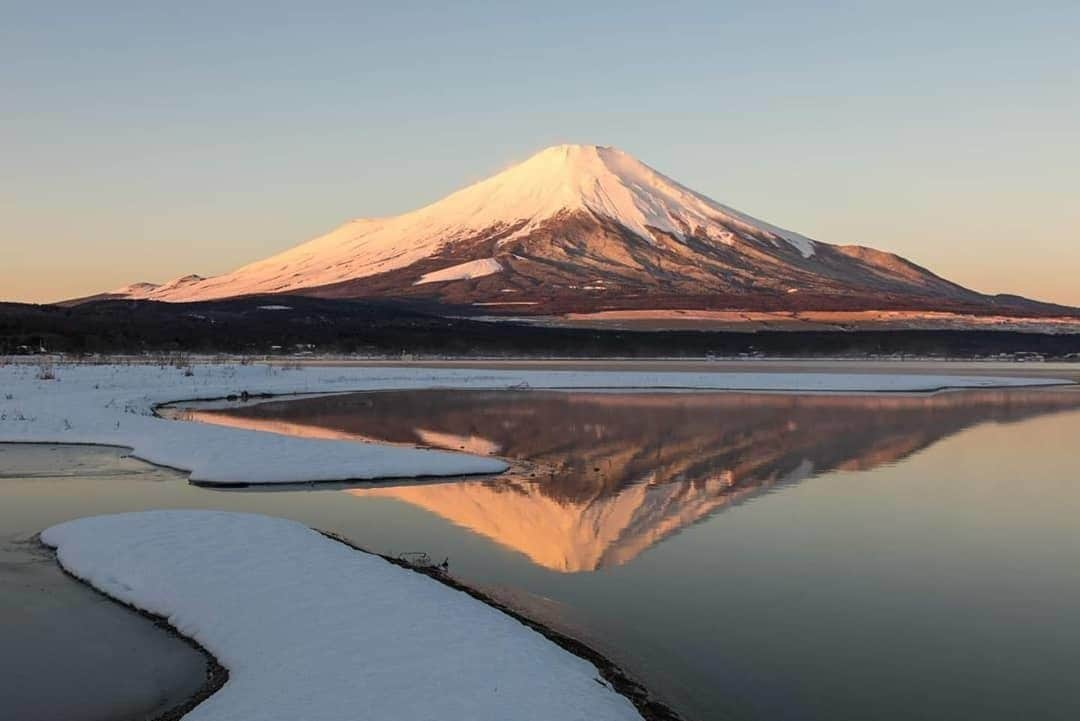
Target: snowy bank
column 113, row 405
column 311, row 629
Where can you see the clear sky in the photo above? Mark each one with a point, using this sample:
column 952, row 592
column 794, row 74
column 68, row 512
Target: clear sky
column 146, row 140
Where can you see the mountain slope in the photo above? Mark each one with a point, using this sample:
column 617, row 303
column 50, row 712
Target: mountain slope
column 583, row 228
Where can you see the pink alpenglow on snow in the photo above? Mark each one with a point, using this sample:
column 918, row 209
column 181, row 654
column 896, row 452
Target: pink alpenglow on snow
column 587, row 228
column 562, row 179
column 463, row 271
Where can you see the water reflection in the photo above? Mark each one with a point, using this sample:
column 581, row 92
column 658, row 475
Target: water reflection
column 602, row 477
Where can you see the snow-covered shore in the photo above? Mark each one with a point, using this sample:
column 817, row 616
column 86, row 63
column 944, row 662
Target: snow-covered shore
column 113, row 405
column 311, row 629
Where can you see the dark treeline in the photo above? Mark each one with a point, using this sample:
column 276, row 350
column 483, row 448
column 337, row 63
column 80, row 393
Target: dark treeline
column 252, row 325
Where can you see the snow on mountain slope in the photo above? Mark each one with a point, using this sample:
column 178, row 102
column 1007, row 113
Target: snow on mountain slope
column 462, row 271
column 177, row 285
column 135, row 291
column 557, row 181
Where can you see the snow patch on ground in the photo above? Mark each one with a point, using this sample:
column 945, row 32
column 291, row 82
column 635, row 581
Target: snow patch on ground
column 113, row 405
column 462, row 271
column 311, row 629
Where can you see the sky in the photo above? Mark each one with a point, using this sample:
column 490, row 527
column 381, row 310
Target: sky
column 148, row 140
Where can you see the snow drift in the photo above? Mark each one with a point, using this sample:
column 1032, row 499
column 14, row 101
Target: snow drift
column 311, row 629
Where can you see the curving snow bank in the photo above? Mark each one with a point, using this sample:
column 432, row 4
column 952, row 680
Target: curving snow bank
column 113, row 405
column 311, row 629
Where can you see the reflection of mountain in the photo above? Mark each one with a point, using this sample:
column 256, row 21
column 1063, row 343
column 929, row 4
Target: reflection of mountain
column 569, row 536
column 611, row 474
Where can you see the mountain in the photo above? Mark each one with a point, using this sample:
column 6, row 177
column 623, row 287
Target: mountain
column 581, row 229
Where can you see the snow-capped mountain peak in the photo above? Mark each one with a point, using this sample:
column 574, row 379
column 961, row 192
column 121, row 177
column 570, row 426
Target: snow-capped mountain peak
column 560, row 180
column 577, row 229
column 611, row 184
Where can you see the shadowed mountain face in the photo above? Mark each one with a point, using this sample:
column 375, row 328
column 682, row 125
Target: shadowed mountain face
column 578, row 262
column 603, row 476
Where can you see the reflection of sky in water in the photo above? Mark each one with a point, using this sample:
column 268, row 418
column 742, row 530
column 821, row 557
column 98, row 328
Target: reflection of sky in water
column 927, row 570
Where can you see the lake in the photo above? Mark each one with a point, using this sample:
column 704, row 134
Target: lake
column 745, row 555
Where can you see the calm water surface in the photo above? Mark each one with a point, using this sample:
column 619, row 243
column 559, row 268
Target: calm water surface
column 747, row 556
column 68, row 653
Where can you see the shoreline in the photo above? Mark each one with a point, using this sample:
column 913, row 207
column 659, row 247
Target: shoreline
column 256, row 399
column 650, row 708
column 217, row 675
column 113, row 405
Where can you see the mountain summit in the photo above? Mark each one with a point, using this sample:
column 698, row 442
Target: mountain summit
column 585, row 228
